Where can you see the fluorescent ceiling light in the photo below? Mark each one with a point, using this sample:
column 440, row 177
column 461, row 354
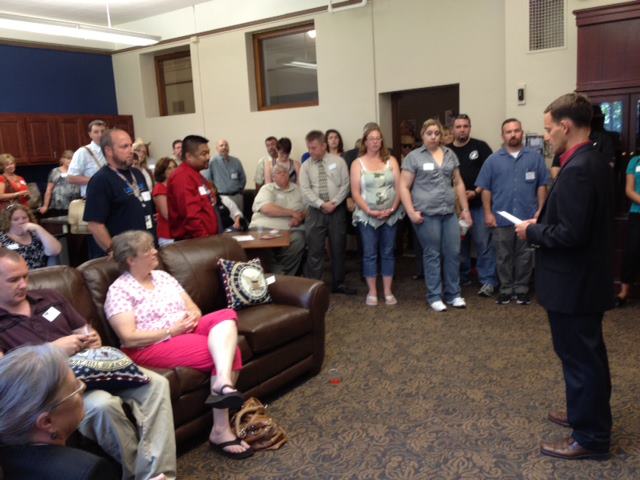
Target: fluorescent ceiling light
column 307, row 65
column 60, row 28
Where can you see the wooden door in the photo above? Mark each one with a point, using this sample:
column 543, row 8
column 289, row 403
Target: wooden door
column 71, row 133
column 42, row 142
column 12, row 137
column 410, row 108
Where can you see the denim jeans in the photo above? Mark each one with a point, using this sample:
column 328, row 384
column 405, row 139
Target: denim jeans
column 381, row 239
column 440, row 237
column 481, row 237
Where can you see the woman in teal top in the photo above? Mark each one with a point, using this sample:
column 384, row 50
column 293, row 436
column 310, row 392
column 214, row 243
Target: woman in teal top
column 631, row 258
column 374, row 186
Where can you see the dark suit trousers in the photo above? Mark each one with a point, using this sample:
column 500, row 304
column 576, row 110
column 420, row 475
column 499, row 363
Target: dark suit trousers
column 578, row 341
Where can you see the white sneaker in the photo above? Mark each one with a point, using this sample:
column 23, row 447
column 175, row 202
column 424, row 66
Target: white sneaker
column 438, row 306
column 458, row 302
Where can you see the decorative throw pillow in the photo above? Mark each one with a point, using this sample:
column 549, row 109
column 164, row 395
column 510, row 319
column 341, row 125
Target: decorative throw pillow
column 244, row 283
column 106, row 368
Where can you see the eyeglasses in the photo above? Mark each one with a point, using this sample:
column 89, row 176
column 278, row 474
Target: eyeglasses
column 406, row 145
column 81, row 388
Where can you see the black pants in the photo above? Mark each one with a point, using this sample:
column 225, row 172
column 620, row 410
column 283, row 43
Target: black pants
column 631, row 263
column 578, row 342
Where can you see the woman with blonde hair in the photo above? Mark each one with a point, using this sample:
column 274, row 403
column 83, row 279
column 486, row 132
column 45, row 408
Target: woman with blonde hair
column 13, row 188
column 141, row 159
column 20, row 232
column 59, row 191
column 430, row 183
column 375, row 178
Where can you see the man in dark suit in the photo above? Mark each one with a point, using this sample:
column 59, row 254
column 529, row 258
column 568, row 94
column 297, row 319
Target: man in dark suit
column 574, row 280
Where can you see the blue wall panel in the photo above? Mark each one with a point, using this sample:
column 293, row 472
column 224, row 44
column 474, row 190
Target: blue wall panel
column 37, row 80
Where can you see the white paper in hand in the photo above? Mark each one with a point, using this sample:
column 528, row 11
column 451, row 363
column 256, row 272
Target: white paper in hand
column 512, row 218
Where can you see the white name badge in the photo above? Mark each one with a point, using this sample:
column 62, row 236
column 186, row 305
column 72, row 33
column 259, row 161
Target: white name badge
column 530, row 176
column 637, row 168
column 280, row 196
column 427, row 167
column 270, row 280
column 148, row 222
column 202, row 190
column 234, row 176
column 146, row 196
column 64, row 174
column 12, row 246
column 332, row 166
column 51, row 314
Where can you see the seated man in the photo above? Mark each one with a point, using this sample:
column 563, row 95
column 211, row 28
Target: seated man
column 279, row 205
column 41, row 316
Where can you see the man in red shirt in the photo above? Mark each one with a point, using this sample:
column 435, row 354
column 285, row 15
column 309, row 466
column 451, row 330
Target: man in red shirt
column 189, row 195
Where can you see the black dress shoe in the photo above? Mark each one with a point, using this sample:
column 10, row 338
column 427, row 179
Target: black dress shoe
column 569, row 449
column 344, row 290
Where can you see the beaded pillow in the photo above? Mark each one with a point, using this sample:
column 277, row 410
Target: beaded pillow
column 244, row 283
column 106, row 368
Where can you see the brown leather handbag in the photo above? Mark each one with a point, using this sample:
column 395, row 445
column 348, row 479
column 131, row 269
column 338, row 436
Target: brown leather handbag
column 255, row 426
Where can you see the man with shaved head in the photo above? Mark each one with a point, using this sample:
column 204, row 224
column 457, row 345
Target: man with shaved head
column 227, row 174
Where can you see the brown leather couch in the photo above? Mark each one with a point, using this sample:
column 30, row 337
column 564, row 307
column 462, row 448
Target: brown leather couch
column 280, row 342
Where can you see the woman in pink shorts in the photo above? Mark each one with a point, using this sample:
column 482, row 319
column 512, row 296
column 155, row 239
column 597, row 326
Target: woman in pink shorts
column 160, row 326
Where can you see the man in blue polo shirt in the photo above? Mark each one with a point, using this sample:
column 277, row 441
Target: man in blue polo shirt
column 514, row 179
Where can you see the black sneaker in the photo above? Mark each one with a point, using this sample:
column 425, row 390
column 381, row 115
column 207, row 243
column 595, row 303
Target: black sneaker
column 503, row 299
column 343, row 289
column 523, row 299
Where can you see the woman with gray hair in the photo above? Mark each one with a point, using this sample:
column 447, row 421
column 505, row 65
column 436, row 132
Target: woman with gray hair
column 40, row 407
column 160, row 326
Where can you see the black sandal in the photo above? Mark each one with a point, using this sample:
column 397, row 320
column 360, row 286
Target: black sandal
column 220, row 448
column 217, row 399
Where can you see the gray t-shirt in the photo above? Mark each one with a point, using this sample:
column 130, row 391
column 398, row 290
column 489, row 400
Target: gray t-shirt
column 432, row 191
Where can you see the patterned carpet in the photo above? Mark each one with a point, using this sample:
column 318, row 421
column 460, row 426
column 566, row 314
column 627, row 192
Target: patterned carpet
column 458, row 395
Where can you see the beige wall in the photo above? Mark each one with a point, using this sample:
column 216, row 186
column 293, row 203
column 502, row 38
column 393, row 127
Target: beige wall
column 222, row 78
column 363, row 53
column 547, row 74
column 423, row 43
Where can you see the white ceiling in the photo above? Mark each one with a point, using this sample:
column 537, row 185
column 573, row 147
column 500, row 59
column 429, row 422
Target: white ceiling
column 94, row 11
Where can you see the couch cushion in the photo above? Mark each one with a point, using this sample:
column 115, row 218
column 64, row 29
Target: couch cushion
column 266, row 327
column 70, row 283
column 193, row 263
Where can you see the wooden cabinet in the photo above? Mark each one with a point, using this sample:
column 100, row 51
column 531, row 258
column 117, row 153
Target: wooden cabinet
column 35, row 139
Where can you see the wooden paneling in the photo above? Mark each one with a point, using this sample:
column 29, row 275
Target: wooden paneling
column 42, row 143
column 12, row 137
column 40, row 139
column 71, row 133
column 608, row 46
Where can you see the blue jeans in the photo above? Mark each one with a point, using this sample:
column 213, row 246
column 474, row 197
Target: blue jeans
column 486, row 262
column 382, row 238
column 440, row 237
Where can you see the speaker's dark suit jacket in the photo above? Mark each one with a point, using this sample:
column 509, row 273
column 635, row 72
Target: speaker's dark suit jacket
column 574, row 284
column 573, row 261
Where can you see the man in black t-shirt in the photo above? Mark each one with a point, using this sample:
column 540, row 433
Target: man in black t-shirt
column 118, row 198
column 471, row 154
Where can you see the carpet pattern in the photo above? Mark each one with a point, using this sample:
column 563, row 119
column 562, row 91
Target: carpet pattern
column 457, row 395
